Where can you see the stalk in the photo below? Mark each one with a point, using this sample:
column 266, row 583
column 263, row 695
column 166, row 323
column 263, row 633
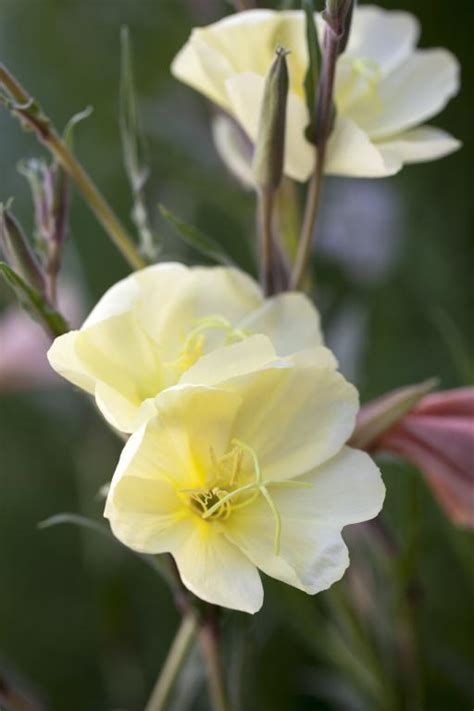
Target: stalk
column 174, row 663
column 25, row 108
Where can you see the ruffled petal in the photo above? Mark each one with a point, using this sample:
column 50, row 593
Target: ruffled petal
column 346, row 489
column 311, row 557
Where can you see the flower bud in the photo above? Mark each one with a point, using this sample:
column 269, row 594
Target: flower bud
column 270, row 144
column 378, row 416
column 18, row 252
column 338, row 15
column 437, row 437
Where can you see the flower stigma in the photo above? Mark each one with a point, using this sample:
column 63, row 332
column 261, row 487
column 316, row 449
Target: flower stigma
column 194, row 344
column 224, row 496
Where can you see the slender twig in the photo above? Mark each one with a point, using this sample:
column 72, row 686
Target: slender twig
column 209, row 639
column 25, row 108
column 173, row 664
column 323, row 124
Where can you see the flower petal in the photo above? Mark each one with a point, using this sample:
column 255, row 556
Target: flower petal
column 311, row 557
column 419, row 88
column 384, row 37
column 118, row 410
column 174, row 444
column 146, row 514
column 240, row 358
column 294, row 417
column 234, row 149
column 290, row 320
column 124, row 294
column 206, row 291
column 64, row 360
column 245, row 93
column 420, row 144
column 119, row 353
column 346, row 489
column 352, row 153
column 216, row 570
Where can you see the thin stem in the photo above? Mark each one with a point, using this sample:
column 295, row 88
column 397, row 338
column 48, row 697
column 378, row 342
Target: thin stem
column 265, row 212
column 209, row 639
column 173, row 664
column 26, row 110
column 324, row 114
column 243, row 5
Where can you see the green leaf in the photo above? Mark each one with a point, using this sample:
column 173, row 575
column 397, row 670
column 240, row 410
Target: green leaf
column 314, row 66
column 153, row 562
column 196, row 239
column 34, row 303
column 134, row 151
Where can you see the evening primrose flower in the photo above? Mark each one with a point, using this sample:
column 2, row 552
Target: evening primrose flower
column 149, row 328
column 240, row 471
column 385, row 88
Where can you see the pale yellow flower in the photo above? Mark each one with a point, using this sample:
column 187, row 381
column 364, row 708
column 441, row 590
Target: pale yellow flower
column 244, row 467
column 148, row 329
column 385, row 87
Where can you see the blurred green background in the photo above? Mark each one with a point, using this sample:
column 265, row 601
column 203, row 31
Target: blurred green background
column 83, row 623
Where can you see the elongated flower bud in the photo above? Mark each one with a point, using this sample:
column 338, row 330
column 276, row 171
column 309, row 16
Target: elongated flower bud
column 376, row 417
column 270, row 144
column 338, row 15
column 18, row 252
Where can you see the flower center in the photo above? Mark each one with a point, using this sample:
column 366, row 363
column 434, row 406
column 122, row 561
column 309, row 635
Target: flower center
column 227, row 494
column 194, row 345
column 358, row 79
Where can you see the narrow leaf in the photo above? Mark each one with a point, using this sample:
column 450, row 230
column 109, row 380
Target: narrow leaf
column 68, row 133
column 34, row 303
column 153, row 562
column 196, row 239
column 314, row 66
column 133, row 147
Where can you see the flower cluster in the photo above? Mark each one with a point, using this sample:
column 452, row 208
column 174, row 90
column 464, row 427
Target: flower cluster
column 239, row 420
column 385, row 88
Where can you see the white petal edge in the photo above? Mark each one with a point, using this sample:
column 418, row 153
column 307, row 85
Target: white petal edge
column 421, row 144
column 64, row 360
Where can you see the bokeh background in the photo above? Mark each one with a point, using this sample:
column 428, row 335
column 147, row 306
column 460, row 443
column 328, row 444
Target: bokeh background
column 83, row 623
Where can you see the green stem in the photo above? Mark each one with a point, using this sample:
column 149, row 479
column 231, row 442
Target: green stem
column 173, row 664
column 25, row 109
column 265, row 210
column 209, row 639
column 323, row 124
